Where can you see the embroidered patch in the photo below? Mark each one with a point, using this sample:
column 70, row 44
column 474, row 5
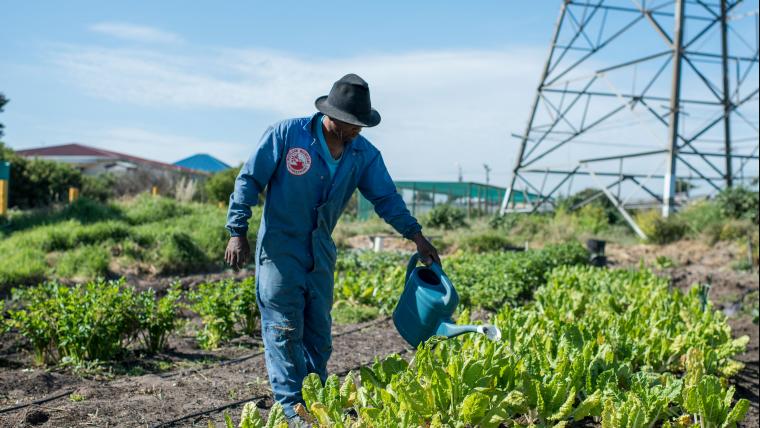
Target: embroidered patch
column 298, row 161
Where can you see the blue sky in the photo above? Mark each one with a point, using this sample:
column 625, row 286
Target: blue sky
column 165, row 80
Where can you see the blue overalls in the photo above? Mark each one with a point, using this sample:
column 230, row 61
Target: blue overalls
column 295, row 254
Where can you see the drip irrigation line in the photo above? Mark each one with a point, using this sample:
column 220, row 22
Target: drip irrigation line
column 223, row 363
column 214, row 410
column 261, row 396
column 260, row 353
column 40, row 401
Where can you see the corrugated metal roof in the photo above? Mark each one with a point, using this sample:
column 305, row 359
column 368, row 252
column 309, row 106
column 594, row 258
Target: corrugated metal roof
column 203, row 162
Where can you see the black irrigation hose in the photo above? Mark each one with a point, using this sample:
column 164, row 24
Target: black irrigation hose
column 223, row 363
column 40, row 401
column 259, row 353
column 256, row 398
column 205, row 412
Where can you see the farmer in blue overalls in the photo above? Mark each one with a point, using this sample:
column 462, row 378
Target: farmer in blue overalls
column 309, row 167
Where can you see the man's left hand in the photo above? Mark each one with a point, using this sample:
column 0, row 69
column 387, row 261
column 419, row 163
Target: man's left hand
column 426, row 250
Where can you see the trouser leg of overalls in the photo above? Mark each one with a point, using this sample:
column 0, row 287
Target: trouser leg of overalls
column 317, row 335
column 295, row 320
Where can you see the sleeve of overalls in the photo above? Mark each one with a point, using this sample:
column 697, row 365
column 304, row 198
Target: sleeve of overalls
column 377, row 186
column 252, row 180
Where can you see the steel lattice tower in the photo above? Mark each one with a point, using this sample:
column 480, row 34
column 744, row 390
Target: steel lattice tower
column 641, row 99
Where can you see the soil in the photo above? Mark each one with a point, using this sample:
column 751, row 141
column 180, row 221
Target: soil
column 149, row 399
column 138, row 393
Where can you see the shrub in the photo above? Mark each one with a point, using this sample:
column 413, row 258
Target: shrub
column 488, row 241
column 158, row 318
column 660, row 230
column 149, row 209
column 702, row 217
column 81, row 323
column 221, row 305
column 446, row 217
column 178, row 253
column 98, row 187
column 739, row 203
column 221, row 185
column 37, row 182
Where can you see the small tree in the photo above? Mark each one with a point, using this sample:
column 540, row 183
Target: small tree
column 220, row 185
column 3, row 102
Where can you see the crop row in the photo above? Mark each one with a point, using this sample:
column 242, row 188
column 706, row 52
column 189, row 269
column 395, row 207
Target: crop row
column 100, row 320
column 611, row 347
column 97, row 321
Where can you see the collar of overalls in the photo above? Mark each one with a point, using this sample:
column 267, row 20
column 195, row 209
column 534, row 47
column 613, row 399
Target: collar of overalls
column 355, row 144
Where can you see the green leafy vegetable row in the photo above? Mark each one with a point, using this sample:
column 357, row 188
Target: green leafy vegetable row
column 488, row 280
column 615, row 347
column 98, row 320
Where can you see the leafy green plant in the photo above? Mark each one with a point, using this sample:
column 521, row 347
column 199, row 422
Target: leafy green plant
column 609, row 345
column 445, row 217
column 158, row 318
column 80, row 323
column 222, row 305
column 739, row 203
column 661, row 230
column 484, row 242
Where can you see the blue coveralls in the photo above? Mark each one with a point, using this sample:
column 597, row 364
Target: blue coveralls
column 295, row 254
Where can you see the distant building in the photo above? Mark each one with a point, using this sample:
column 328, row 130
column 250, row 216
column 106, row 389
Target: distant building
column 203, row 162
column 93, row 161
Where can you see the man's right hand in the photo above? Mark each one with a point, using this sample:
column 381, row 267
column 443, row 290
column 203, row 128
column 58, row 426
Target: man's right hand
column 238, row 251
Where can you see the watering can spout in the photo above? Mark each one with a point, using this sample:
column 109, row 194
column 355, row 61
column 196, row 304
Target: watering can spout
column 449, row 329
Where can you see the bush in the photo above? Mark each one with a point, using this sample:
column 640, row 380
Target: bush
column 178, row 253
column 739, row 203
column 221, row 185
column 98, row 187
column 157, row 318
column 446, row 217
column 488, row 241
column 81, row 323
column 36, row 182
column 661, row 230
column 223, row 305
column 702, row 217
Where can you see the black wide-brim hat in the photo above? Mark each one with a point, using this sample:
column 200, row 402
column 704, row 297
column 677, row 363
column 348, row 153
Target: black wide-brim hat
column 349, row 102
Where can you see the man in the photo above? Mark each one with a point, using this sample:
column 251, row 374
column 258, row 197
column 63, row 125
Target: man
column 310, row 167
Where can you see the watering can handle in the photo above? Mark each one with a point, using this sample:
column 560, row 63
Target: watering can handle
column 410, row 267
column 447, row 285
column 437, row 269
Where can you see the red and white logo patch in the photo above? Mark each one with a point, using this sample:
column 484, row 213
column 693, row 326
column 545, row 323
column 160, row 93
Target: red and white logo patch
column 298, row 161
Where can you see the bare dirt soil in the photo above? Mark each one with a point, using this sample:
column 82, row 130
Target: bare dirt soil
column 147, row 400
column 147, row 391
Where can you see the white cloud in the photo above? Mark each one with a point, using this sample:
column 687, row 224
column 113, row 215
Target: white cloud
column 439, row 108
column 137, row 33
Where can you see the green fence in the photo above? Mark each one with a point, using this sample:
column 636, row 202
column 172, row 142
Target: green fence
column 475, row 198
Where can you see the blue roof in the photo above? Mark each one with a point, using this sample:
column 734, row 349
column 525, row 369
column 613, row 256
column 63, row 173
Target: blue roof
column 203, row 162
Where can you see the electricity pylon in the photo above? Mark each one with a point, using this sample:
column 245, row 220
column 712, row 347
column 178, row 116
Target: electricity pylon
column 635, row 93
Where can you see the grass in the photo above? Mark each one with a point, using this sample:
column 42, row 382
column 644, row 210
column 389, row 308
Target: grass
column 82, row 240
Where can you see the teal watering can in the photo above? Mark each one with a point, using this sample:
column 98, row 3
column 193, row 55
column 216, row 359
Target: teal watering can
column 426, row 305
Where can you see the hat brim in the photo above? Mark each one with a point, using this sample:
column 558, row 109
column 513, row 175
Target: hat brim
column 325, row 107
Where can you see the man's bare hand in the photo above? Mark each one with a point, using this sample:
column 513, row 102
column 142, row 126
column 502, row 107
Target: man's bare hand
column 238, row 251
column 426, row 250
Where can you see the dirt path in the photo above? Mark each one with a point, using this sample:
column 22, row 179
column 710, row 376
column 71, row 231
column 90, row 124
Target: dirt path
column 144, row 401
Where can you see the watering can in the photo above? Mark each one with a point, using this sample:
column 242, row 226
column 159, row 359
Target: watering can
column 426, row 305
